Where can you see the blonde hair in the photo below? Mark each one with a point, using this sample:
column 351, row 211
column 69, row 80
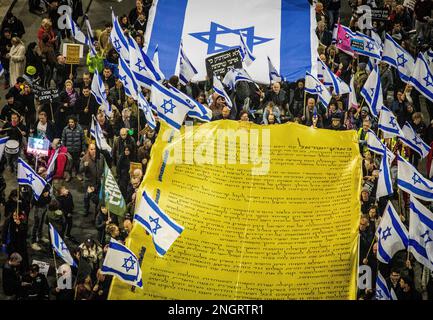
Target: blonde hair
column 46, row 22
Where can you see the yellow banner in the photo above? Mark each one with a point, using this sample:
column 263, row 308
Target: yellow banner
column 270, row 212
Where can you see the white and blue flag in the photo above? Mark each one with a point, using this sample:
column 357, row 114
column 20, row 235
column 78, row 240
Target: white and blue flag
column 60, row 247
column 209, row 27
column 3, row 145
column 75, row 31
column 1, row 69
column 330, row 79
column 164, row 230
column 52, row 165
column 127, row 79
column 429, row 58
column 98, row 91
column 186, row 70
column 144, row 105
column 169, row 106
column 382, row 291
column 96, row 132
column 421, row 233
column 27, row 176
column 413, row 182
column 370, row 46
column 391, row 235
column 196, row 109
column 372, row 92
column 274, row 76
column 422, row 77
column 414, row 141
column 388, row 124
column 375, row 145
column 247, row 56
column 233, row 76
column 155, row 59
column 314, row 86
column 91, row 39
column 384, row 182
column 399, row 58
column 118, row 39
column 122, row 263
column 219, row 88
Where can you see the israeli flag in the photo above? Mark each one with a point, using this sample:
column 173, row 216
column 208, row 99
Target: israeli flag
column 52, row 165
column 391, row 235
column 2, row 146
column 98, row 91
column 186, row 70
column 75, row 31
column 122, row 263
column 155, row 59
column 60, row 247
column 274, row 76
column 164, row 230
column 331, row 80
column 382, row 291
column 413, row 141
column 144, row 105
column 399, row 58
column 209, row 27
column 127, row 79
column 245, row 52
column 27, row 176
column 388, row 123
column 1, row 69
column 372, row 92
column 314, row 86
column 233, row 76
column 384, row 183
column 353, row 101
column 422, row 77
column 377, row 39
column 429, row 58
column 169, row 106
column 413, row 182
column 144, row 71
column 91, row 39
column 219, row 88
column 375, row 145
column 96, row 132
column 371, row 48
column 118, row 39
column 196, row 109
column 421, row 233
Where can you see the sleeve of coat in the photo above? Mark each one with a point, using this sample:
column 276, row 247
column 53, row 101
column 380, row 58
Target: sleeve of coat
column 19, row 55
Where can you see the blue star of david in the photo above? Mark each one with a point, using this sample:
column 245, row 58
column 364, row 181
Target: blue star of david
column 428, row 237
column 210, row 37
column 170, row 108
column 123, row 79
column 63, row 246
column 428, row 80
column 379, row 293
column 401, row 60
column 416, row 179
column 386, row 233
column 319, row 89
column 139, row 66
column 30, row 177
column 416, row 140
column 130, row 265
column 369, row 46
column 117, row 45
column 157, row 225
column 392, row 121
column 372, row 91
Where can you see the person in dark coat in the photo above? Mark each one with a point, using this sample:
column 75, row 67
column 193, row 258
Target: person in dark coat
column 66, row 203
column 34, row 58
column 43, row 128
column 11, row 22
column 14, row 237
column 36, row 284
column 86, row 106
column 408, row 291
column 123, row 166
column 11, row 277
column 73, row 139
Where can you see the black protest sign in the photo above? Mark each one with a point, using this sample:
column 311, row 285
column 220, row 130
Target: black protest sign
column 44, row 95
column 357, row 45
column 379, row 14
column 220, row 63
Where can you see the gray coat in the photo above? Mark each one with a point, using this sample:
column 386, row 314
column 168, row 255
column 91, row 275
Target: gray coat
column 93, row 172
column 73, row 139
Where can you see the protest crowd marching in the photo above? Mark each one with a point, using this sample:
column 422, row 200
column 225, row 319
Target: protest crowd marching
column 102, row 118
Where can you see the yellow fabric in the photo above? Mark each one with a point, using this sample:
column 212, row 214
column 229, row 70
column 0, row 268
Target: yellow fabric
column 289, row 234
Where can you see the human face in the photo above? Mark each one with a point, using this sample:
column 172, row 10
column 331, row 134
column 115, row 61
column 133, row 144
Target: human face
column 364, row 195
column 43, row 118
column 68, row 86
column 86, row 92
column 311, row 103
column 395, row 276
column 71, row 123
column 14, row 118
column 127, row 152
column 10, row 100
column 86, row 78
column 226, row 112
column 276, row 87
column 363, row 224
column 92, row 150
column 335, row 122
column 372, row 213
column 123, row 134
column 366, row 126
column 417, row 120
column 244, row 117
column 107, row 73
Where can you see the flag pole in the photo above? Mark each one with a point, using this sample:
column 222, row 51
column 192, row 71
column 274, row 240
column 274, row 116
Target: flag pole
column 305, row 102
column 369, row 249
column 55, row 262
column 76, row 278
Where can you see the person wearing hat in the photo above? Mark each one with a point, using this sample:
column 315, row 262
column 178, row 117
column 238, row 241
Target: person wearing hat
column 336, row 123
column 30, row 75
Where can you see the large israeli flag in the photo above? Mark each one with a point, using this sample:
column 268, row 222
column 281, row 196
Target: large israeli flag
column 60, row 247
column 413, row 182
column 372, row 91
column 164, row 230
column 399, row 58
column 127, row 78
column 196, row 109
column 122, row 263
column 421, row 233
column 388, row 123
column 413, row 140
column 391, row 235
column 422, row 77
column 27, row 176
column 118, row 38
column 282, row 29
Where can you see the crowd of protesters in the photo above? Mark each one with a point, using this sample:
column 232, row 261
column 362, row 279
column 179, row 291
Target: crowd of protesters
column 66, row 122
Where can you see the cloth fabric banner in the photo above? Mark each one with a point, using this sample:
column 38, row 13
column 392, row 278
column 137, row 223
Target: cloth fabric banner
column 254, row 229
column 113, row 196
column 281, row 29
